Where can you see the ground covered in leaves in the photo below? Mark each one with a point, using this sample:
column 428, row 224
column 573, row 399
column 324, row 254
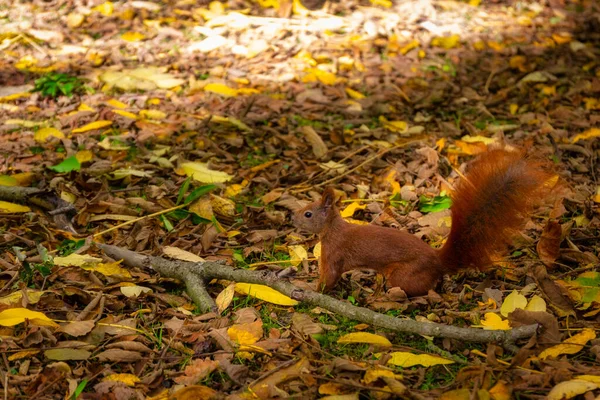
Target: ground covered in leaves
column 184, row 126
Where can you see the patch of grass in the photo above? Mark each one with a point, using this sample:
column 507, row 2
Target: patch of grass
column 57, row 84
column 69, row 246
column 301, row 121
column 243, row 302
column 439, row 376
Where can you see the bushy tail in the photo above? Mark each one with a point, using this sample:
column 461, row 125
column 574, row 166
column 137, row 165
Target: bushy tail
column 489, row 205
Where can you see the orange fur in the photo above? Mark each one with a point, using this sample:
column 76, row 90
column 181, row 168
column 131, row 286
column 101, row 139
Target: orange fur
column 489, row 205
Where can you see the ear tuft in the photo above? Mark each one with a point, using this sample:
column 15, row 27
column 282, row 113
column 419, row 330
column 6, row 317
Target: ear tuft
column 328, row 198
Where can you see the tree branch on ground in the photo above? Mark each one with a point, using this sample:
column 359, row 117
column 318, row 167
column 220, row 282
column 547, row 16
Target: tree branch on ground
column 195, row 274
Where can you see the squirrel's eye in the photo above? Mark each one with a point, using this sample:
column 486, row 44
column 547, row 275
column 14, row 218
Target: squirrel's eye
column 308, row 214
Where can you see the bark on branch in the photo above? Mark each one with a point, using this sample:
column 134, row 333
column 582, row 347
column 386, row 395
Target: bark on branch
column 195, row 274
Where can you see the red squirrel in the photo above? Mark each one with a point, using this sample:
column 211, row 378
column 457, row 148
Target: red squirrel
column 488, row 205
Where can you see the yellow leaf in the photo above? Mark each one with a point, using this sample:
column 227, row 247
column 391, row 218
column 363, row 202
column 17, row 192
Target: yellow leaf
column 325, row 77
column 85, row 107
column 33, row 296
column 108, row 269
column 74, row 20
column 562, row 37
column 235, row 189
column 10, row 208
column 493, row 321
column 43, row 134
column 153, row 114
column 548, row 90
column 128, row 379
column 406, row 360
column 201, row 172
column 222, row 206
column 105, row 9
column 497, row 46
column 382, row 3
column 513, row 301
column 93, row 126
column 15, row 316
column 125, row 114
column 133, row 36
column 474, row 3
column 317, row 250
column 589, row 378
column 596, row 197
column 394, row 126
column 351, row 209
column 570, row 389
column 354, row 94
column 590, row 133
column 6, row 180
column 479, row 45
column 225, row 298
column 14, row 96
column 221, row 89
column 116, row 103
column 571, row 345
column 377, row 372
column 447, row 42
column 409, row 46
column 247, row 91
column 365, row 337
column 501, row 391
column 246, row 334
column 22, row 354
column 479, row 139
column 77, row 260
column 536, row 304
column 202, row 208
column 297, row 254
column 513, row 108
column 264, row 293
column 84, row 156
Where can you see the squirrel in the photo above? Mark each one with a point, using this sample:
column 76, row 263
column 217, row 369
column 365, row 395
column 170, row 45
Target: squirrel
column 489, row 204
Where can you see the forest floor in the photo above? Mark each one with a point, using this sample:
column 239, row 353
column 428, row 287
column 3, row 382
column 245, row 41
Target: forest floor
column 171, row 128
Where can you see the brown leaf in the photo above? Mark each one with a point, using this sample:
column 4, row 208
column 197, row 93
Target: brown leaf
column 261, row 388
column 116, row 355
column 193, row 392
column 261, row 235
column 197, row 370
column 77, row 328
column 548, row 247
column 318, row 145
column 559, row 302
column 549, row 334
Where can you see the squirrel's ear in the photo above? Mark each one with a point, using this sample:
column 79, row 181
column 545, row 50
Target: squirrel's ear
column 328, row 198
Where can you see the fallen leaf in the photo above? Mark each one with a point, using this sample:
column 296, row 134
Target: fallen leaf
column 128, row 379
column 10, row 208
column 16, row 316
column 364, row 337
column 92, row 126
column 201, row 172
column 572, row 345
column 264, row 293
column 494, row 321
column 407, row 360
column 570, row 389
column 513, row 301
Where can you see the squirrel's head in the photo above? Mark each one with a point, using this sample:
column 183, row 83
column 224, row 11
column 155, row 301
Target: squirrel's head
column 314, row 216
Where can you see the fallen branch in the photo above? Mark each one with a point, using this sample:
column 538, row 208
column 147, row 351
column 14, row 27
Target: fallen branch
column 195, row 274
column 47, row 200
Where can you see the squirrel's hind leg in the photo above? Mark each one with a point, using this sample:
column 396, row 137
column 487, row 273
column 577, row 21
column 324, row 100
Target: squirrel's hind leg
column 407, row 278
